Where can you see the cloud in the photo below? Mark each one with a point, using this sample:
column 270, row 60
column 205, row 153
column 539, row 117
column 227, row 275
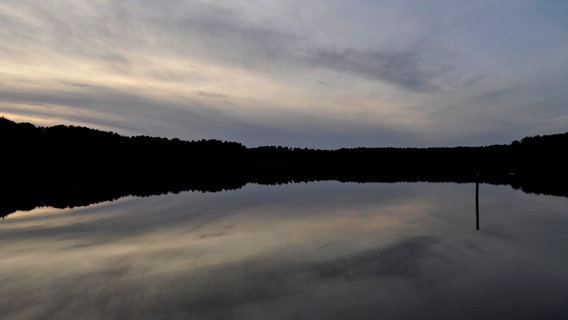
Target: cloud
column 143, row 67
column 209, row 94
column 262, row 68
column 405, row 70
column 221, row 33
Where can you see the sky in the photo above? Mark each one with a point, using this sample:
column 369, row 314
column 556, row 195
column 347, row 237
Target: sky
column 319, row 74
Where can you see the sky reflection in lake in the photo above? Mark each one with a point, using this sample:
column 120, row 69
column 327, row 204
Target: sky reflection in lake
column 301, row 251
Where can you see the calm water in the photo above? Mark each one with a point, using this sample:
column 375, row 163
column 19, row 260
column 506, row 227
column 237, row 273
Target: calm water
column 301, row 251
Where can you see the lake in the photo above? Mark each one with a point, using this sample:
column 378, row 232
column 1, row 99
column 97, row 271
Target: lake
column 324, row 250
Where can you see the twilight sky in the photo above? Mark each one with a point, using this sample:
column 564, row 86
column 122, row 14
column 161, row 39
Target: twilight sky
column 317, row 73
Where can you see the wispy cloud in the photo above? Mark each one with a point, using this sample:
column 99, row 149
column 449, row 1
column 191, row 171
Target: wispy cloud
column 209, row 94
column 405, row 70
column 266, row 66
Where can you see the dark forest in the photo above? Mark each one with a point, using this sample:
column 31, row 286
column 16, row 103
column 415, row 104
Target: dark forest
column 67, row 166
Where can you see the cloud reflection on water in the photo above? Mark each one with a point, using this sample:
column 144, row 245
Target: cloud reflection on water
column 306, row 251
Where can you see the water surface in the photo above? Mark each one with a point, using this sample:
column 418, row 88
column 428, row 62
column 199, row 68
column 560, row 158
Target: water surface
column 325, row 250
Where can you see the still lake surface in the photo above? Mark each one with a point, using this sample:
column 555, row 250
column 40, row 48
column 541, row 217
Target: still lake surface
column 324, row 250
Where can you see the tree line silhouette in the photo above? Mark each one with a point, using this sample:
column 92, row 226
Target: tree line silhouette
column 65, row 166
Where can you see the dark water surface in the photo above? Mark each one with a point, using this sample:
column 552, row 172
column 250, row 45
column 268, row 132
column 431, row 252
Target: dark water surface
column 322, row 250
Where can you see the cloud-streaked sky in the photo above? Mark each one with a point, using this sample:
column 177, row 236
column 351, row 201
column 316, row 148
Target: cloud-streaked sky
column 316, row 73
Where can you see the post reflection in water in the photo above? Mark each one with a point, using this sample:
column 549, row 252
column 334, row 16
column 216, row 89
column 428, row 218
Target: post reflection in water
column 477, row 205
column 301, row 251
